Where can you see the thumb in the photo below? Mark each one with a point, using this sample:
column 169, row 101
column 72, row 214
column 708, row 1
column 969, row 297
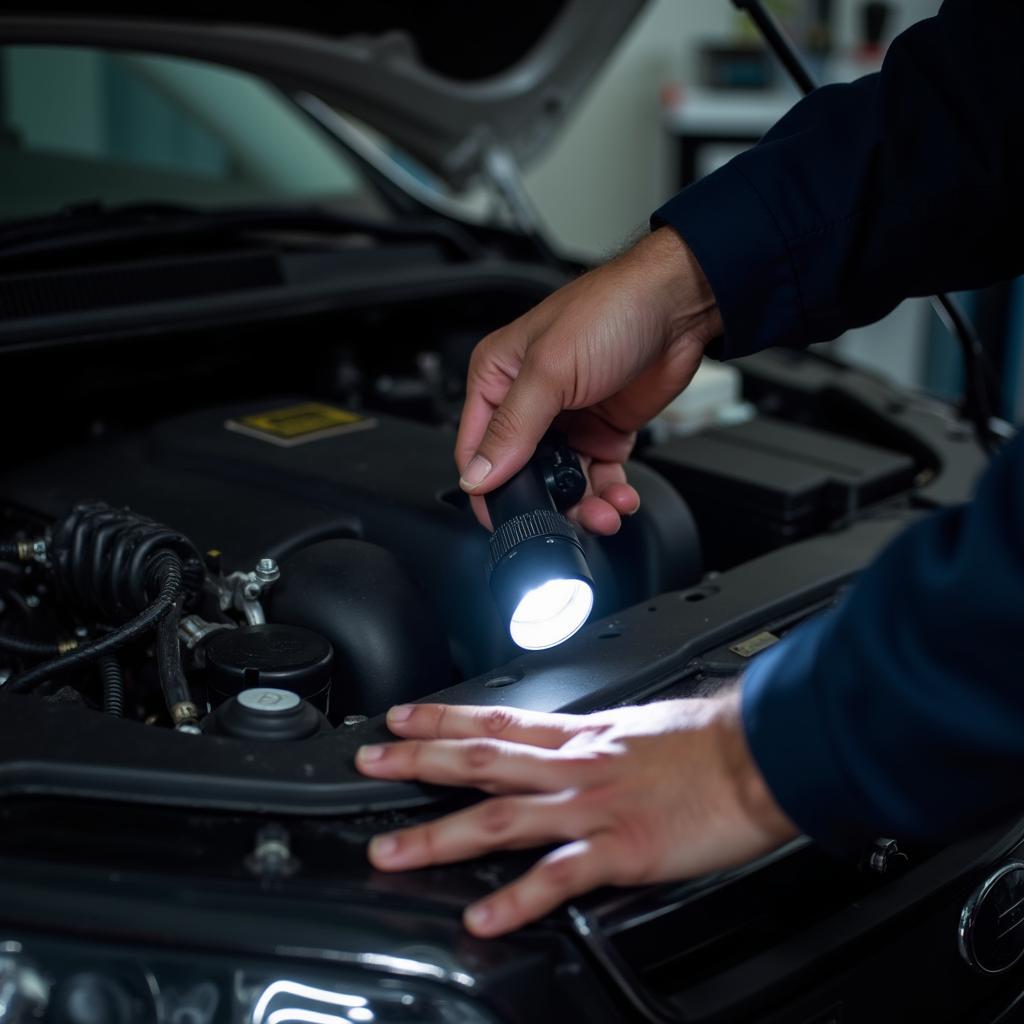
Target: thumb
column 515, row 428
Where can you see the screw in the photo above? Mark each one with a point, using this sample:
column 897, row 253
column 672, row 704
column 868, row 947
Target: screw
column 267, row 571
column 272, row 855
column 32, row 601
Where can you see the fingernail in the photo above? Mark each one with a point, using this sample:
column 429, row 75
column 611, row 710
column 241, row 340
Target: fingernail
column 371, row 753
column 383, row 847
column 400, row 713
column 479, row 916
column 476, row 472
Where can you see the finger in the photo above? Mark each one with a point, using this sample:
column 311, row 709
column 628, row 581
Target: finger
column 503, row 823
column 514, row 430
column 593, row 435
column 481, row 511
column 454, row 721
column 567, row 872
column 596, row 515
column 495, row 364
column 608, row 480
column 491, row 765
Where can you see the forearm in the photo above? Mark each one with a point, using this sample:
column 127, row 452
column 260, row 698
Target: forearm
column 903, row 712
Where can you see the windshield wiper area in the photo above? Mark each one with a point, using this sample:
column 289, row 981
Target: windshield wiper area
column 95, row 226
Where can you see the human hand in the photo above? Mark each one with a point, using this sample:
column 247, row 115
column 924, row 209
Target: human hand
column 602, row 355
column 635, row 795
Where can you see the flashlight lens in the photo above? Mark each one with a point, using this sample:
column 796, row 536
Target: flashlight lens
column 551, row 613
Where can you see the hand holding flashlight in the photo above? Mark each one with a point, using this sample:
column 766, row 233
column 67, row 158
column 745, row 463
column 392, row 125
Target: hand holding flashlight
column 600, row 357
column 538, row 573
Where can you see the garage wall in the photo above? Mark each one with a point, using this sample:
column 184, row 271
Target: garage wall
column 611, row 166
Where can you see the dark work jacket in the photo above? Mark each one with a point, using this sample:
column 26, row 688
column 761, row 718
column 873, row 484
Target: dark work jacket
column 901, row 713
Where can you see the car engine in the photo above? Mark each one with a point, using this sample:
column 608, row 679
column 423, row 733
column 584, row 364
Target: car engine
column 328, row 553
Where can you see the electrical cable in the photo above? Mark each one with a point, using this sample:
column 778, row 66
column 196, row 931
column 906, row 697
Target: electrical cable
column 168, row 664
column 28, row 648
column 167, row 573
column 978, row 375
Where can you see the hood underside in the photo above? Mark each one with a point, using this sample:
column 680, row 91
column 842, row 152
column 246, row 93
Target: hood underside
column 445, row 87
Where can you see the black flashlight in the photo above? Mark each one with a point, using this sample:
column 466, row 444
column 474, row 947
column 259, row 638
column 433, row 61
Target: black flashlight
column 538, row 573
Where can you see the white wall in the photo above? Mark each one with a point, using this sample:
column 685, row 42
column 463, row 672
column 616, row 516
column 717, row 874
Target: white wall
column 614, row 163
column 612, row 166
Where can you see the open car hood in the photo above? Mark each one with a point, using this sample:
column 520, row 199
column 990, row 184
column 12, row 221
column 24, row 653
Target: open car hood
column 446, row 81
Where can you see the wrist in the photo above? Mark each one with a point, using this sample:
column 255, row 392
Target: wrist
column 749, row 794
column 679, row 288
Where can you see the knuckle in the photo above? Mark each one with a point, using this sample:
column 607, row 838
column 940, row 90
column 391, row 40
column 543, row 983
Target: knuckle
column 497, row 720
column 544, row 358
column 480, row 755
column 559, row 873
column 506, row 424
column 440, row 717
column 410, row 753
column 497, row 817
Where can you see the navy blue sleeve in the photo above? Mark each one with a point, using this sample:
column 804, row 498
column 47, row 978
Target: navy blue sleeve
column 902, row 712
column 903, row 183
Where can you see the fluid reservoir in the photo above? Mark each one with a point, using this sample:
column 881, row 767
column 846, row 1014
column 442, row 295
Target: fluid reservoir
column 270, row 655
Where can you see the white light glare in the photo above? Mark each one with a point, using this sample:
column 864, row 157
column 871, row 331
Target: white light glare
column 296, row 988
column 551, row 613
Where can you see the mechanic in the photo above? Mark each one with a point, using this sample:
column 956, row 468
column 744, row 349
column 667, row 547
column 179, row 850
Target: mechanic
column 902, row 712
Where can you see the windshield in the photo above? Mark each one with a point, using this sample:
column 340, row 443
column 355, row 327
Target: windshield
column 81, row 125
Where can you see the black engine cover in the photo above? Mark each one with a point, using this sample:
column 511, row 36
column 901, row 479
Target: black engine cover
column 250, row 492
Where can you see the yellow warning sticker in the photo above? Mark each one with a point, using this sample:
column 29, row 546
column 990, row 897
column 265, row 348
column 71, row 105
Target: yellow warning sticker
column 299, row 424
column 755, row 644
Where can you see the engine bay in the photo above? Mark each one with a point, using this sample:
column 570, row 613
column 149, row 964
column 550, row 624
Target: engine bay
column 270, row 574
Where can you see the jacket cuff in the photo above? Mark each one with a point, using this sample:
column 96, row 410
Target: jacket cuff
column 742, row 252
column 790, row 740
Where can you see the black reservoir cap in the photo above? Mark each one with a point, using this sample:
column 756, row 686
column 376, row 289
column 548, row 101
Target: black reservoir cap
column 270, row 655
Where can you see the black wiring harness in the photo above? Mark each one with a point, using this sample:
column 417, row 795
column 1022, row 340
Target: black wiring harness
column 132, row 575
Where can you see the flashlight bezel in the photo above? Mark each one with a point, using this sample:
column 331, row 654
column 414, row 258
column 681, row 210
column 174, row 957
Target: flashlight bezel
column 532, row 562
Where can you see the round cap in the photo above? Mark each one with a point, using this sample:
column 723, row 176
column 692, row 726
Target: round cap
column 273, row 656
column 269, row 701
column 265, row 713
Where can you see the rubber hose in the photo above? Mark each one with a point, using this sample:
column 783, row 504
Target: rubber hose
column 29, row 648
column 168, row 658
column 168, row 571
